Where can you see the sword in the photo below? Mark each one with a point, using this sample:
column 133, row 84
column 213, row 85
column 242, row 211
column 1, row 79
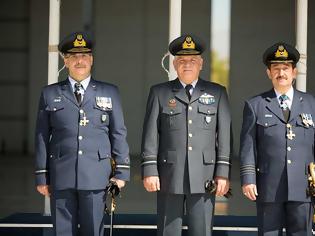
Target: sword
column 211, row 187
column 311, row 184
column 112, row 190
column 113, row 206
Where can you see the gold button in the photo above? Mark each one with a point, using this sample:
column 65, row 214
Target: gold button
column 266, row 124
column 80, row 152
column 81, row 111
column 190, row 135
column 80, row 137
column 55, row 109
column 288, row 125
column 190, row 108
column 190, row 121
column 289, row 149
column 289, row 161
column 189, row 148
column 171, row 112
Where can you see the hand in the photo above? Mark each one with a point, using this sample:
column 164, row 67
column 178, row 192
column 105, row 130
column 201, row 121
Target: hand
column 223, row 185
column 250, row 191
column 151, row 183
column 120, row 183
column 43, row 189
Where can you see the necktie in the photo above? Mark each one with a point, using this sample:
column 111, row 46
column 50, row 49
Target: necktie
column 284, row 106
column 283, row 98
column 77, row 93
column 188, row 88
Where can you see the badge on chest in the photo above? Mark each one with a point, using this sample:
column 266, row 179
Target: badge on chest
column 208, row 119
column 105, row 103
column 172, row 103
column 307, row 120
column 206, row 99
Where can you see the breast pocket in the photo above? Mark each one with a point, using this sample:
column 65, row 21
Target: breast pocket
column 57, row 114
column 207, row 116
column 265, row 126
column 55, row 107
column 100, row 116
column 173, row 117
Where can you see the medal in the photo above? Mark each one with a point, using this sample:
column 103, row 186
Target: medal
column 311, row 122
column 290, row 134
column 104, row 102
column 84, row 121
column 307, row 120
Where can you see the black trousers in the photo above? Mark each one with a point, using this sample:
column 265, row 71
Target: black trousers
column 295, row 217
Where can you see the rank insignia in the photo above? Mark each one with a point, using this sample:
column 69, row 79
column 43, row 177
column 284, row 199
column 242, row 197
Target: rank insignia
column 208, row 119
column 268, row 115
column 206, row 99
column 104, row 102
column 307, row 120
column 172, row 102
column 57, row 99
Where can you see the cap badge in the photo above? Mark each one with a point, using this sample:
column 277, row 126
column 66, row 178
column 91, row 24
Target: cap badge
column 79, row 41
column 281, row 52
column 189, row 43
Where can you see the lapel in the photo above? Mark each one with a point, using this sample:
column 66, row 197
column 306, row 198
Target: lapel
column 179, row 91
column 272, row 105
column 198, row 90
column 67, row 91
column 297, row 105
column 90, row 92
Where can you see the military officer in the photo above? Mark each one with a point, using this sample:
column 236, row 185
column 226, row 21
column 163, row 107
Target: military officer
column 277, row 145
column 185, row 142
column 80, row 129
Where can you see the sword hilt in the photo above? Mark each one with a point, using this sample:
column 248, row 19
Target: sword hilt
column 112, row 190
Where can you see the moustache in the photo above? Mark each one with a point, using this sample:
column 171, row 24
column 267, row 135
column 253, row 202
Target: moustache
column 80, row 66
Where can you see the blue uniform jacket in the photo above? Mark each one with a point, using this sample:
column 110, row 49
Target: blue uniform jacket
column 70, row 155
column 276, row 164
